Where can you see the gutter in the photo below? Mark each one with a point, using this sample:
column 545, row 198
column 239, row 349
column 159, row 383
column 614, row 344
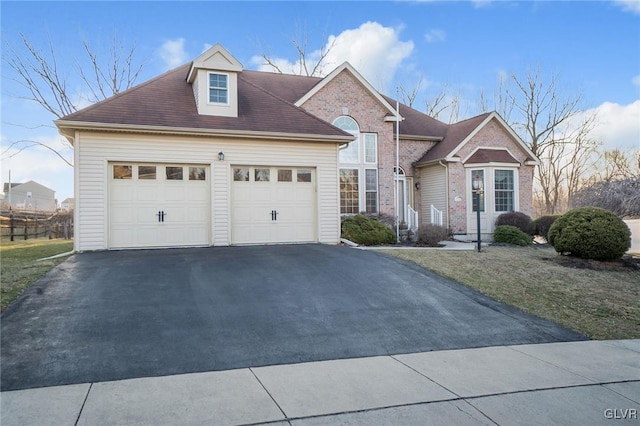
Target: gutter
column 66, row 128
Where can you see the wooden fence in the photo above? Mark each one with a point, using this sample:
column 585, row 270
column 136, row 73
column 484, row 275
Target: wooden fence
column 24, row 225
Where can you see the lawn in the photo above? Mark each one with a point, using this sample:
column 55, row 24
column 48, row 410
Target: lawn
column 19, row 265
column 603, row 304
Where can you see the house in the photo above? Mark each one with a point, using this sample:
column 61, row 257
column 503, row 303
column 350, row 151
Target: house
column 30, row 196
column 68, row 204
column 212, row 154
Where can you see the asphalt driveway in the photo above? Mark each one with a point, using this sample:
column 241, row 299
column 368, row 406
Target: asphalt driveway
column 114, row 315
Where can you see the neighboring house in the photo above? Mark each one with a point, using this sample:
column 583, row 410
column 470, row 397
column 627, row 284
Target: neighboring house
column 211, row 154
column 68, row 204
column 29, row 196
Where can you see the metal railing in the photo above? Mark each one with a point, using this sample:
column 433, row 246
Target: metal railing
column 412, row 219
column 436, row 216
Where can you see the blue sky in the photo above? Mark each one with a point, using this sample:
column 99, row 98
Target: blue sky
column 594, row 47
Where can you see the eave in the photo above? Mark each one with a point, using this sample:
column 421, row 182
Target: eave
column 68, row 128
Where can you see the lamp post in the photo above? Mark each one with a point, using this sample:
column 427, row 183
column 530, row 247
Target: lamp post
column 478, row 188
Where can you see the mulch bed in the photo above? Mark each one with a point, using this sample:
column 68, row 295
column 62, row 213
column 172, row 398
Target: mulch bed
column 624, row 264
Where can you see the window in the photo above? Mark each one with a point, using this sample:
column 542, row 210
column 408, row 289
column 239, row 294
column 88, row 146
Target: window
column 218, row 88
column 122, row 172
column 174, row 173
column 504, row 190
column 371, row 190
column 304, row 175
column 370, row 148
column 197, row 173
column 261, row 175
column 241, row 175
column 359, row 177
column 284, row 175
column 147, row 172
column 475, row 175
column 349, row 153
column 349, row 192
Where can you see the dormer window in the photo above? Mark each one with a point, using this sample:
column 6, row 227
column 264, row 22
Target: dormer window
column 218, row 88
column 214, row 78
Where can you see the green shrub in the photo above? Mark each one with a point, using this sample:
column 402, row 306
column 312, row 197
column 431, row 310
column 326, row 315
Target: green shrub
column 511, row 235
column 590, row 233
column 367, row 231
column 518, row 219
column 430, row 235
column 542, row 225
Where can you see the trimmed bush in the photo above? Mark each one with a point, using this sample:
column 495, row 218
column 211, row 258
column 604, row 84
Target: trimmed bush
column 590, row 233
column 367, row 231
column 542, row 225
column 511, row 235
column 518, row 219
column 430, row 235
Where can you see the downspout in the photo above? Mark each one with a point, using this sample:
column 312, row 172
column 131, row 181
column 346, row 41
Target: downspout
column 446, row 188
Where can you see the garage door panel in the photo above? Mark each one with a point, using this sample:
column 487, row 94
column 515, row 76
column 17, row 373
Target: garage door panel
column 252, row 204
column 135, row 204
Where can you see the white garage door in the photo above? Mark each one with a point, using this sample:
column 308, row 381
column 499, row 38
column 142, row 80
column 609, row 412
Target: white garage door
column 158, row 205
column 273, row 205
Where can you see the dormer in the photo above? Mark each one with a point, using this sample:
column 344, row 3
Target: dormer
column 214, row 78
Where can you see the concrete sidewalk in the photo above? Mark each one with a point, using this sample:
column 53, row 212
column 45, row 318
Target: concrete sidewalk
column 591, row 382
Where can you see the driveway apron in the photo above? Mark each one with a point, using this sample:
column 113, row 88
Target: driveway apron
column 122, row 314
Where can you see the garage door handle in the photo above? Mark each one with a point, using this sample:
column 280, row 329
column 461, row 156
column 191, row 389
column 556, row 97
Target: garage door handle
column 274, row 215
column 161, row 215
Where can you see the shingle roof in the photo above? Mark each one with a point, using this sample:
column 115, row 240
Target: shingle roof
column 491, row 156
column 168, row 101
column 454, row 135
column 416, row 123
column 265, row 104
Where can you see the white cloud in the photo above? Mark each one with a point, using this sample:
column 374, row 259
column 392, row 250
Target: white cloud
column 172, row 53
column 435, row 35
column 374, row 50
column 618, row 126
column 636, row 80
column 632, row 6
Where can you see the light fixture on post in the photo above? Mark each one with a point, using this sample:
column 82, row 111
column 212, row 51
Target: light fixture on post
column 478, row 187
column 221, row 156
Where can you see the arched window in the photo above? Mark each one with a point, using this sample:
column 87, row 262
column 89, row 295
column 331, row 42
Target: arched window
column 349, row 153
column 358, row 162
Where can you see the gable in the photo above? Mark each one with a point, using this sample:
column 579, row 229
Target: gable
column 215, row 58
column 345, row 95
column 341, row 71
column 485, row 130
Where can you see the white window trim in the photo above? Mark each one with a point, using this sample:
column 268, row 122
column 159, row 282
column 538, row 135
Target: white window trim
column 490, row 188
column 516, row 192
column 362, row 165
column 363, row 137
column 209, row 88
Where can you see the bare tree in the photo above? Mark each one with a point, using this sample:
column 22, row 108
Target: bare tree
column 310, row 63
column 408, row 94
column 549, row 123
column 45, row 79
column 619, row 196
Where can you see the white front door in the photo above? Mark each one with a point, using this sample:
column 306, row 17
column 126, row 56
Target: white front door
column 273, row 205
column 158, row 205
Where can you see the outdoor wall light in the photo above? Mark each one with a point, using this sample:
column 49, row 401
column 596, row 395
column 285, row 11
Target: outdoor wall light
column 221, row 156
column 417, row 185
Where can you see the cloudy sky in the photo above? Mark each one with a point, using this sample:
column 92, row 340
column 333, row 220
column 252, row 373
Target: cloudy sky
column 593, row 48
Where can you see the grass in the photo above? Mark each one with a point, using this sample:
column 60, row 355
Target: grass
column 19, row 265
column 602, row 304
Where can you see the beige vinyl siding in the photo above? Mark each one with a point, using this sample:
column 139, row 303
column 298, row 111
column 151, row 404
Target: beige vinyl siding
column 96, row 149
column 433, row 190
